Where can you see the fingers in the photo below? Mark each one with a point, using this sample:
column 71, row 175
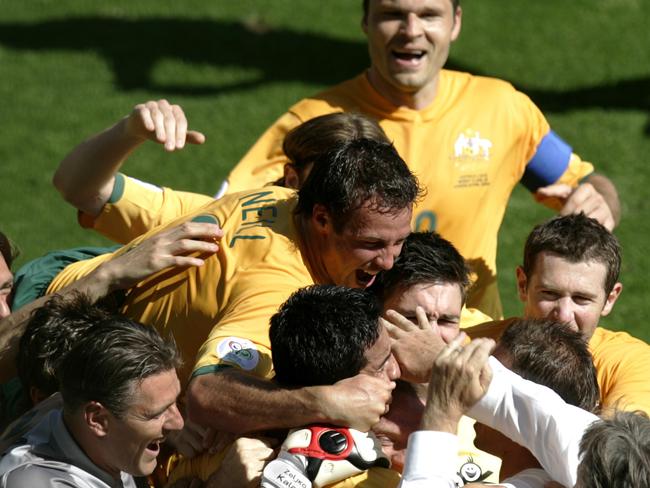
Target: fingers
column 559, row 190
column 586, row 199
column 453, row 348
column 195, row 137
column 423, row 320
column 398, row 320
column 164, row 123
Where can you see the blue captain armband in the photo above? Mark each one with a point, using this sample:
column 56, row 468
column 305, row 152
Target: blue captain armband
column 549, row 162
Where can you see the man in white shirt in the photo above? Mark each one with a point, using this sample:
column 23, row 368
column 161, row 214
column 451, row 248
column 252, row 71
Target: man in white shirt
column 119, row 389
column 466, row 379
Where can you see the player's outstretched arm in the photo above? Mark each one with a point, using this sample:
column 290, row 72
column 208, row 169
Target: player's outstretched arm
column 234, row 401
column 161, row 251
column 86, row 176
column 596, row 197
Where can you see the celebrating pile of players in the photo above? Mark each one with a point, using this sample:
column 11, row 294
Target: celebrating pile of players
column 331, row 316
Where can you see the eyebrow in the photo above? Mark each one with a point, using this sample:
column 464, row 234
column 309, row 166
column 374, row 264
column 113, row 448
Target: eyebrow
column 151, row 415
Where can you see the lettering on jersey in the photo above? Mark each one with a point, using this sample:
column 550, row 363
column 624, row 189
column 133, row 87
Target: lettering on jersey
column 256, row 211
column 425, row 221
column 470, row 155
column 239, row 351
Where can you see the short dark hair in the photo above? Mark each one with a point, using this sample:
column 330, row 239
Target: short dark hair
column 615, row 452
column 320, row 334
column 106, row 365
column 425, row 258
column 8, row 250
column 576, row 238
column 455, row 4
column 50, row 333
column 552, row 354
column 355, row 173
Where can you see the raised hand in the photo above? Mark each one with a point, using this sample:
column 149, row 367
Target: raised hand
column 162, row 122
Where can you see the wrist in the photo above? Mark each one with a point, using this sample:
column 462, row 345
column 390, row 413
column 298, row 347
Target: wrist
column 440, row 421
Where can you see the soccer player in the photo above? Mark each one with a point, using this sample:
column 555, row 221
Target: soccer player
column 469, row 139
column 347, row 222
column 570, row 274
column 123, row 208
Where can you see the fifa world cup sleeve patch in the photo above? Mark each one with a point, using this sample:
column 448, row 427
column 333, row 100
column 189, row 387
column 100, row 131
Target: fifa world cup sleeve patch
column 549, row 162
column 238, row 351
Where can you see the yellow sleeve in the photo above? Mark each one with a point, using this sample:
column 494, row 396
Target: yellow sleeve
column 241, row 337
column 201, row 466
column 264, row 162
column 136, row 207
column 622, row 365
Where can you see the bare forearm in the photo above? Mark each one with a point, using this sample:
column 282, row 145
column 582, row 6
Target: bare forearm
column 85, row 176
column 606, row 188
column 236, row 402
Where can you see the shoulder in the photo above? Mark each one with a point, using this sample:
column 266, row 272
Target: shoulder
column 345, row 96
column 613, row 350
column 474, row 82
column 46, row 474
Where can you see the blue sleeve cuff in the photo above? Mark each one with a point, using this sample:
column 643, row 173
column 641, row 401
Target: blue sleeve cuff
column 548, row 164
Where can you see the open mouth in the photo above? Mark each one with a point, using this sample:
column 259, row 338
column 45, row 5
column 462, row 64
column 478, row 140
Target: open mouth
column 154, row 447
column 365, row 279
column 409, row 57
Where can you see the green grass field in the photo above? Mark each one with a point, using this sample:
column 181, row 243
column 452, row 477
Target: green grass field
column 71, row 67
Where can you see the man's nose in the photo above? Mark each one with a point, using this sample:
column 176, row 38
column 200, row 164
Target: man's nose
column 174, row 420
column 5, row 311
column 412, row 25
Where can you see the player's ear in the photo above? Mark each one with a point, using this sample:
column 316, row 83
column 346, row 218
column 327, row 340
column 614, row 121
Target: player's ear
column 458, row 22
column 611, row 299
column 97, row 418
column 321, row 219
column 291, row 178
column 522, row 283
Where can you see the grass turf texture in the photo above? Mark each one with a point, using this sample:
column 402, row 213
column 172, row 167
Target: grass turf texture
column 72, row 67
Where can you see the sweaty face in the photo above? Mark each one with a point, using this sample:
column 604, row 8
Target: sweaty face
column 6, row 285
column 136, row 438
column 368, row 243
column 380, row 360
column 409, row 41
column 572, row 293
column 442, row 302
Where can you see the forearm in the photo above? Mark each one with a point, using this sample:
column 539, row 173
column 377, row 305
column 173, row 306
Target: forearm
column 236, row 402
column 85, row 176
column 537, row 418
column 606, row 188
column 97, row 285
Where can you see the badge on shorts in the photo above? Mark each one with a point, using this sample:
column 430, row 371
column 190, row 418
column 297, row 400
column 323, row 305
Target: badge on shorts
column 239, row 351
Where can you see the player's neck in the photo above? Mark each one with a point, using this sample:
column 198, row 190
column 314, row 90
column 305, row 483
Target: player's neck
column 415, row 100
column 310, row 250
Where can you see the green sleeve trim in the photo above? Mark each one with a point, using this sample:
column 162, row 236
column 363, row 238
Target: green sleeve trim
column 118, row 188
column 209, row 369
column 206, row 219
